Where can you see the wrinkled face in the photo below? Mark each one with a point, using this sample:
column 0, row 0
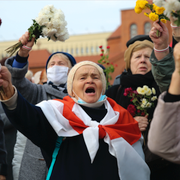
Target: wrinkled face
column 58, row 61
column 87, row 84
column 140, row 63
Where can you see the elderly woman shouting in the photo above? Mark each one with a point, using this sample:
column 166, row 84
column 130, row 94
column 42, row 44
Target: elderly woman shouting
column 101, row 140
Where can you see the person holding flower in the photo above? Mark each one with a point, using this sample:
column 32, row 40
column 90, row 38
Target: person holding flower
column 57, row 68
column 162, row 59
column 135, row 82
column 101, row 140
column 164, row 133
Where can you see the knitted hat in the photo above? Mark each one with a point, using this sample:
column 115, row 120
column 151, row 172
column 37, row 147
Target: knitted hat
column 70, row 57
column 132, row 43
column 76, row 67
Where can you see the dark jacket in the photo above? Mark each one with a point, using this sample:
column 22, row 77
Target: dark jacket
column 3, row 153
column 160, row 168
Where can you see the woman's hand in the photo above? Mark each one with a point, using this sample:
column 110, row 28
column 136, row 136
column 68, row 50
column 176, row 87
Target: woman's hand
column 24, row 52
column 174, row 87
column 7, row 90
column 142, row 122
column 160, row 42
column 2, row 177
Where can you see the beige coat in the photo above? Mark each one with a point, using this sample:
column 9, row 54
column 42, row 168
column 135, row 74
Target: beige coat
column 164, row 133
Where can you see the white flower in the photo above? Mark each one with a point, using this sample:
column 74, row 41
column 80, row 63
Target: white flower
column 145, row 88
column 143, row 106
column 64, row 37
column 171, row 5
column 144, row 101
column 158, row 2
column 140, row 90
column 149, row 92
column 148, row 105
column 153, row 98
column 153, row 91
column 54, row 22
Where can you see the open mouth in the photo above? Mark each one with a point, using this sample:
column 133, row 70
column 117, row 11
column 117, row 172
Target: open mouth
column 143, row 68
column 90, row 90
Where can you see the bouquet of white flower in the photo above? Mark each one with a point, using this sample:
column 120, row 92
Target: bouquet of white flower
column 50, row 23
column 143, row 99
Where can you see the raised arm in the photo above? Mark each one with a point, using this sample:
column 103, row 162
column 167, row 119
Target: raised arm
column 164, row 133
column 162, row 59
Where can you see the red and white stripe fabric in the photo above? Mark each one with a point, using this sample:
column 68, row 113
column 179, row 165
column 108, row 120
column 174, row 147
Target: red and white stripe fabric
column 118, row 128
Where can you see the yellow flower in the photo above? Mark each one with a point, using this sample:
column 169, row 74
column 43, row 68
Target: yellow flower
column 146, row 14
column 153, row 16
column 154, row 7
column 142, row 4
column 138, row 10
column 163, row 20
column 159, row 10
column 153, row 91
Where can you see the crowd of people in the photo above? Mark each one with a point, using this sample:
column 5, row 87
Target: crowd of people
column 68, row 126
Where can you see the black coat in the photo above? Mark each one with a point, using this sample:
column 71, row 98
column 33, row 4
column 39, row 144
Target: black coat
column 160, row 168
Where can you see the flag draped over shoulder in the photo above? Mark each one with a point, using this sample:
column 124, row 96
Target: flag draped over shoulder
column 118, row 128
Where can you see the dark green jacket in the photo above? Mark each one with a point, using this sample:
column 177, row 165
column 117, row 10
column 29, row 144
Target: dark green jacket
column 162, row 70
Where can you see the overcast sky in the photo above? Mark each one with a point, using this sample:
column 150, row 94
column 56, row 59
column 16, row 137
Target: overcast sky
column 82, row 16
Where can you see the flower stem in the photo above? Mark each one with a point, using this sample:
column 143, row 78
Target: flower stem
column 12, row 49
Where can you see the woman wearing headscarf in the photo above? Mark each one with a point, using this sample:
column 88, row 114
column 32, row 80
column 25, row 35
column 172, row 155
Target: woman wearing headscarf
column 138, row 74
column 32, row 165
column 101, row 139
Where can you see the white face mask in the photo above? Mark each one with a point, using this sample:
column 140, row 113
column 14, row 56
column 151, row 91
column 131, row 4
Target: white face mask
column 57, row 74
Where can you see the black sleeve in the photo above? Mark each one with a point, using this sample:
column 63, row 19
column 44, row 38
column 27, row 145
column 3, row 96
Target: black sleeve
column 3, row 154
column 171, row 98
column 111, row 92
column 21, row 59
column 31, row 121
column 174, row 42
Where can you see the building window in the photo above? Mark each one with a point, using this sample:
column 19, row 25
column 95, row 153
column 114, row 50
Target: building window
column 86, row 50
column 77, row 51
column 82, row 50
column 133, row 30
column 92, row 49
column 97, row 49
column 147, row 28
column 67, row 50
column 71, row 50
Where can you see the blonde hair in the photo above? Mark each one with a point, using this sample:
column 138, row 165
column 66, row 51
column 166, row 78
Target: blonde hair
column 137, row 45
column 64, row 57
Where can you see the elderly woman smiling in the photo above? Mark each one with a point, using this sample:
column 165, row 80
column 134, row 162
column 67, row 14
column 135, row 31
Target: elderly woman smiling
column 101, row 140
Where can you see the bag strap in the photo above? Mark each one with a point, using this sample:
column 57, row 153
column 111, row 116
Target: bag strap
column 55, row 153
